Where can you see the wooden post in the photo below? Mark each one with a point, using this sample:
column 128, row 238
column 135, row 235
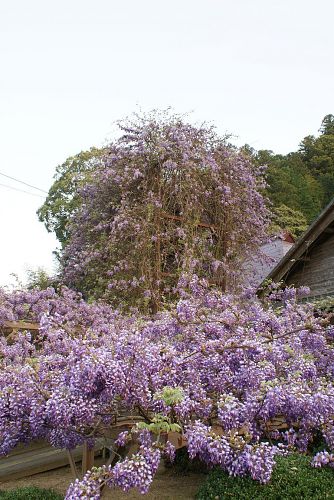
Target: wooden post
column 71, row 460
column 87, row 458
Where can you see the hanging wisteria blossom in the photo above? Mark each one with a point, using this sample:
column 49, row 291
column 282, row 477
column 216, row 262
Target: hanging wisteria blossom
column 216, row 369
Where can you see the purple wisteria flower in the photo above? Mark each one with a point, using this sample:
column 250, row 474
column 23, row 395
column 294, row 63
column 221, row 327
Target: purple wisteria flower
column 217, row 373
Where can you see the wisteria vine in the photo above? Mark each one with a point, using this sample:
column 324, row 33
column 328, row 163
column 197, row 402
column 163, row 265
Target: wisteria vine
column 169, row 198
column 215, row 369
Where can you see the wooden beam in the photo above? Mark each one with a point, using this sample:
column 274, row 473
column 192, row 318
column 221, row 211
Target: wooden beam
column 20, row 325
column 165, row 215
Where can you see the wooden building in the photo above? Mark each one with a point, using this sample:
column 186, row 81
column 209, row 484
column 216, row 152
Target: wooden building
column 310, row 261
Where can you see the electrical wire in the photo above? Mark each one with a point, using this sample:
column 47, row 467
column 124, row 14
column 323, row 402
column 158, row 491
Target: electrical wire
column 22, row 182
column 20, row 190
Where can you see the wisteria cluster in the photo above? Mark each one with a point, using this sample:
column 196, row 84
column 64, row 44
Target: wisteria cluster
column 169, row 198
column 216, row 369
column 232, row 452
column 136, row 472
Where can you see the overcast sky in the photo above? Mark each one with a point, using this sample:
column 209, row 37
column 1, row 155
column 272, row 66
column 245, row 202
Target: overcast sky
column 259, row 69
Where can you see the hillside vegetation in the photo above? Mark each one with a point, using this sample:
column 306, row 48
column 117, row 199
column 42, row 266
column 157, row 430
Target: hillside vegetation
column 301, row 183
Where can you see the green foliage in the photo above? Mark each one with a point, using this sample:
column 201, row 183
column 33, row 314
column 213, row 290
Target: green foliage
column 64, row 198
column 293, row 478
column 290, row 183
column 325, row 304
column 159, row 424
column 327, row 125
column 30, row 493
column 38, row 279
column 317, row 153
column 302, row 181
column 170, row 395
column 291, row 220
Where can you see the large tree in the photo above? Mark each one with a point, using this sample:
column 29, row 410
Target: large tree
column 63, row 198
column 301, row 180
column 318, row 155
column 169, row 200
column 290, row 183
column 285, row 218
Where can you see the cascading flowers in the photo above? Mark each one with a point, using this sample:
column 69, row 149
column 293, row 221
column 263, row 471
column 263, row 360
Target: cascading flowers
column 217, row 370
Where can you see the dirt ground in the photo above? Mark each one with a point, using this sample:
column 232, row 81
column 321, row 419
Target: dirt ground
column 167, row 485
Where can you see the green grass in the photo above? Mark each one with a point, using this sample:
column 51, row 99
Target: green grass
column 293, row 479
column 30, row 493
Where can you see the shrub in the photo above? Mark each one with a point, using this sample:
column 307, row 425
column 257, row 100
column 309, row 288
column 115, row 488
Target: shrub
column 184, row 465
column 293, row 478
column 30, row 493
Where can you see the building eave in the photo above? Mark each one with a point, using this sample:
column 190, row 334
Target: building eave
column 303, row 244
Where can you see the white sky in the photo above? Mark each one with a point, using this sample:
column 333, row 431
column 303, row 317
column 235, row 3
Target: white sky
column 260, row 69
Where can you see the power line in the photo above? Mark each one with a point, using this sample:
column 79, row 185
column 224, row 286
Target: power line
column 22, row 182
column 21, row 190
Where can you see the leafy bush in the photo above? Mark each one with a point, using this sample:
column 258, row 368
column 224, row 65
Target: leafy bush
column 30, row 493
column 293, row 478
column 183, row 465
